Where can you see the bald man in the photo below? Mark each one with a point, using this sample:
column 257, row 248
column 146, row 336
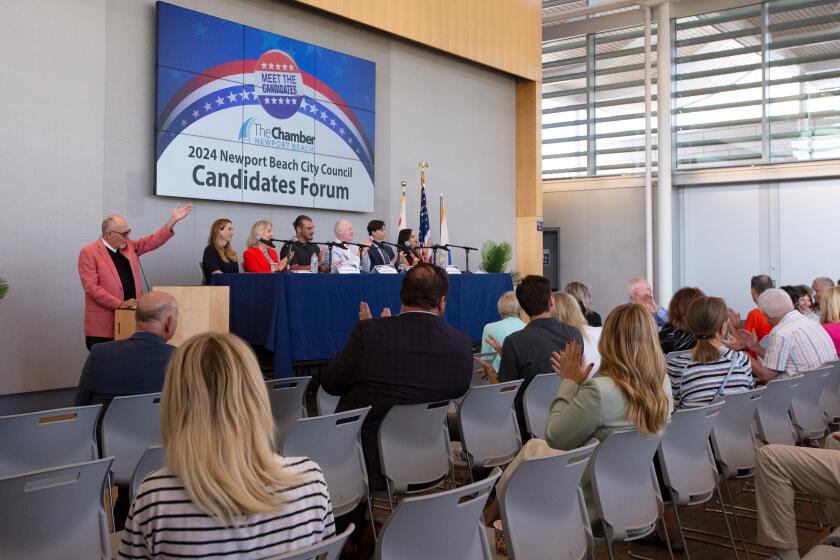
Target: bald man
column 342, row 254
column 135, row 365
column 110, row 272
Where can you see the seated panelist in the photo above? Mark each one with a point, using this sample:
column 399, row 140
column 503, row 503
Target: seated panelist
column 378, row 253
column 219, row 255
column 302, row 247
column 409, row 248
column 342, row 254
column 260, row 256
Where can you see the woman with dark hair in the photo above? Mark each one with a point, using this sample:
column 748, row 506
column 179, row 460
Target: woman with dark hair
column 407, row 243
column 674, row 334
column 710, row 369
column 805, row 303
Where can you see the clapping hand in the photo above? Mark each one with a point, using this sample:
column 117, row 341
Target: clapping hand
column 489, row 371
column 364, row 311
column 494, row 344
column 570, row 363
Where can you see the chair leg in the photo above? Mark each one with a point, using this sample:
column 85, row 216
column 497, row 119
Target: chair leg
column 111, row 501
column 607, row 541
column 370, row 513
column 680, row 527
column 668, row 538
column 726, row 522
column 737, row 524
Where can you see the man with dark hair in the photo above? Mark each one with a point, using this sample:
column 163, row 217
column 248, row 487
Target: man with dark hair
column 302, row 247
column 412, row 358
column 527, row 353
column 756, row 320
column 379, row 254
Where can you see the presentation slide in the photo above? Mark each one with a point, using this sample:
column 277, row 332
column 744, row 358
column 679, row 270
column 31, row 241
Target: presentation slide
column 245, row 115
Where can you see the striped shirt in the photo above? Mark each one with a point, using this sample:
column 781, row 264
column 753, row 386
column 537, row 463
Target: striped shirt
column 164, row 523
column 694, row 384
column 672, row 339
column 797, row 344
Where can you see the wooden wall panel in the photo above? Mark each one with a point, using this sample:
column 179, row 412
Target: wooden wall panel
column 503, row 34
column 528, row 178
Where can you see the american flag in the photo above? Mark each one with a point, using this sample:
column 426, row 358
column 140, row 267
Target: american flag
column 424, row 236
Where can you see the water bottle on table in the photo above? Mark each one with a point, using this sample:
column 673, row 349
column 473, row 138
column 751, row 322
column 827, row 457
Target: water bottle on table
column 313, row 263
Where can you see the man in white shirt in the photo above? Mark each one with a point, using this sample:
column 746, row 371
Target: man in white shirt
column 795, row 344
column 342, row 254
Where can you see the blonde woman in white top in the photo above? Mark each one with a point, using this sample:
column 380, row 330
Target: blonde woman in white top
column 567, row 311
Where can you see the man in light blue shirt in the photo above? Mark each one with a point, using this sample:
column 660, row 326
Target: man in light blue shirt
column 639, row 291
column 511, row 322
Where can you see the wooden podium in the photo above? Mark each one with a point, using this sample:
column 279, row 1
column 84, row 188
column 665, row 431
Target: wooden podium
column 200, row 309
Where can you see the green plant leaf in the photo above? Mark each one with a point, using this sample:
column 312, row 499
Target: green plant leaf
column 4, row 287
column 495, row 256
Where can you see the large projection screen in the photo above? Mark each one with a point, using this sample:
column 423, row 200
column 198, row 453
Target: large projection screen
column 245, row 115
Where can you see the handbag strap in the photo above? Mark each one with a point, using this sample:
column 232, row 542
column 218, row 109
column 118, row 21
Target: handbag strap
column 719, row 392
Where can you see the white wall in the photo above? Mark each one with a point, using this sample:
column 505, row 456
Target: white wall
column 77, row 109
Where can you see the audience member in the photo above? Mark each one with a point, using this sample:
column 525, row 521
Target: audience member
column 640, row 292
column 342, row 254
column 674, row 335
column 709, row 370
column 511, row 322
column 805, row 304
column 109, row 269
column 794, row 345
column 584, row 298
column 830, row 314
column 756, row 320
column 223, row 491
column 568, row 312
column 219, row 255
column 379, row 253
column 819, row 286
column 630, row 390
column 782, row 471
column 134, row 365
column 408, row 359
column 260, row 255
column 302, row 248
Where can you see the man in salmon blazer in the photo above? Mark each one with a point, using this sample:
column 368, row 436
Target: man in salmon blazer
column 110, row 273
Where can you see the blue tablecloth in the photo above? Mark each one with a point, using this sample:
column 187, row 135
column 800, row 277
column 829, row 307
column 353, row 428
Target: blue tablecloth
column 304, row 317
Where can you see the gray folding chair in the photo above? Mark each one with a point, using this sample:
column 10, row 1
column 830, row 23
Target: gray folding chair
column 55, row 513
column 805, row 410
column 442, row 525
column 51, row 438
column 333, row 442
column 687, row 464
column 624, row 487
column 326, row 402
column 536, row 402
column 414, row 448
column 327, row 549
column 131, row 425
column 830, row 397
column 487, row 421
column 478, row 378
column 153, row 459
column 287, row 397
column 732, row 436
column 772, row 417
column 542, row 506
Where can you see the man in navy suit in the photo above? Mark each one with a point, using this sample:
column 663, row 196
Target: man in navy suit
column 135, row 365
column 412, row 358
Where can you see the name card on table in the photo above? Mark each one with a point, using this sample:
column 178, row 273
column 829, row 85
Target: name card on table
column 452, row 269
column 384, row 269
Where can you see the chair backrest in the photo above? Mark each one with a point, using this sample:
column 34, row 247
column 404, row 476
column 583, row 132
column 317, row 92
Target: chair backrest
column 478, row 377
column 732, row 436
column 153, row 459
column 487, row 419
column 333, row 442
column 688, row 466
column 622, row 473
column 327, row 549
column 51, row 438
column 287, row 397
column 441, row 525
column 830, row 397
column 414, row 445
column 131, row 425
column 543, row 509
column 55, row 513
column 805, row 410
column 536, row 402
column 326, row 402
column 772, row 417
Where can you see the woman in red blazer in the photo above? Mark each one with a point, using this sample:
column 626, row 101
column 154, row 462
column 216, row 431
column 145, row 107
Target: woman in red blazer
column 259, row 257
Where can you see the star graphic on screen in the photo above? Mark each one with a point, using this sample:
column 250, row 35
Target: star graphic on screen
column 291, row 67
column 264, row 65
column 350, row 140
column 323, row 116
column 200, row 30
column 232, row 97
column 220, row 101
column 271, row 66
column 303, row 103
column 313, row 108
column 207, row 106
column 245, row 95
column 332, row 123
column 183, row 122
column 195, row 114
column 341, row 131
column 339, row 71
column 285, row 68
column 266, row 100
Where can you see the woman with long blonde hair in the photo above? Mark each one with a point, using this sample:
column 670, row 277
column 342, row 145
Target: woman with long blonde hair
column 581, row 293
column 219, row 255
column 224, row 490
column 567, row 311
